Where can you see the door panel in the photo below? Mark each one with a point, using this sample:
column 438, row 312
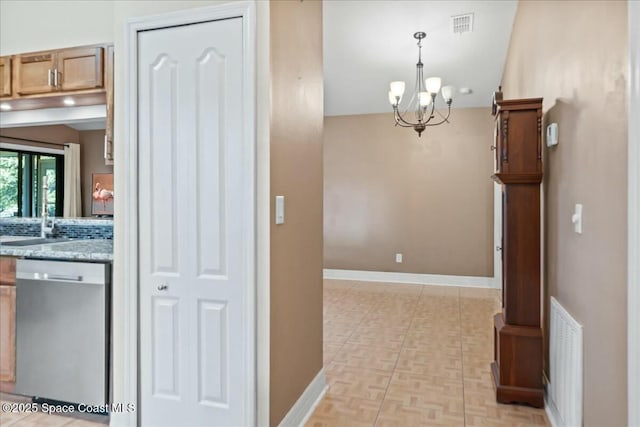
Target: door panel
column 80, row 68
column 213, row 353
column 5, row 76
column 209, row 144
column 162, row 75
column 166, row 351
column 34, row 73
column 8, row 333
column 193, row 199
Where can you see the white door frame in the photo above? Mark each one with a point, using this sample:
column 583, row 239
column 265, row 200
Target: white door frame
column 633, row 200
column 245, row 10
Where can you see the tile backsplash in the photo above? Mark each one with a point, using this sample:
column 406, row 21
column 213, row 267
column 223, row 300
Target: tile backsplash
column 74, row 228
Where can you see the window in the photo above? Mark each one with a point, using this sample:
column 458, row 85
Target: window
column 21, row 174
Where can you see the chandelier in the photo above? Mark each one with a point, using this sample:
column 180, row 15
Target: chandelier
column 423, row 100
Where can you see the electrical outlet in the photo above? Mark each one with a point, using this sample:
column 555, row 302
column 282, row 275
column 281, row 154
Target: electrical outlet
column 399, row 258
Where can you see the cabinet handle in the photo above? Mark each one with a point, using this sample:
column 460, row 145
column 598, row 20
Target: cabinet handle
column 55, row 77
column 493, row 148
column 498, row 248
column 49, row 77
column 163, row 287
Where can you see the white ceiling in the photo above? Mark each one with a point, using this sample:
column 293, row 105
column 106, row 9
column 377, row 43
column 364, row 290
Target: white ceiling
column 368, row 44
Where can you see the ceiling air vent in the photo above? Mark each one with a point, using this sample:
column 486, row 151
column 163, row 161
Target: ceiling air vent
column 461, row 24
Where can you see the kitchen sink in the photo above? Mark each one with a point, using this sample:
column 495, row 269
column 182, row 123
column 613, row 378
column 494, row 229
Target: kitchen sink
column 39, row 241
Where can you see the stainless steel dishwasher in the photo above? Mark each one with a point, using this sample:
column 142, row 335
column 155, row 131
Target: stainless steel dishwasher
column 62, row 330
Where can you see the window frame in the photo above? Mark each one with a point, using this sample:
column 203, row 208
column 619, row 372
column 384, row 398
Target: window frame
column 58, row 155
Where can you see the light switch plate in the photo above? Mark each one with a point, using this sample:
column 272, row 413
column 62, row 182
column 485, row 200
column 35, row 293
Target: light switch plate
column 577, row 218
column 552, row 134
column 279, row 209
column 399, row 258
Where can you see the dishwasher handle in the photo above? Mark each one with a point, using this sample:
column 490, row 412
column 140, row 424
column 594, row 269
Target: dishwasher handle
column 80, row 273
column 46, row 276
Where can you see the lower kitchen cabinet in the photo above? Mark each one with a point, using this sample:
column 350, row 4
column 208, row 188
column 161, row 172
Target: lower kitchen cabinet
column 7, row 319
column 7, row 333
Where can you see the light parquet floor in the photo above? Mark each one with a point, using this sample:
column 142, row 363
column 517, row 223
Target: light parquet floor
column 411, row 355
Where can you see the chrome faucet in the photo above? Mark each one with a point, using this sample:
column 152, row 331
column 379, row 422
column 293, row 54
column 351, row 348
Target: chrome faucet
column 45, row 230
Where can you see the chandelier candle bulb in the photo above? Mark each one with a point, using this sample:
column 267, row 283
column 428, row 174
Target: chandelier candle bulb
column 397, row 88
column 447, row 93
column 392, row 99
column 433, row 84
column 423, row 96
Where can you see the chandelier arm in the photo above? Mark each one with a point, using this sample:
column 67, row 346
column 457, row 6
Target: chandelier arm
column 433, row 108
column 448, row 114
column 401, row 121
column 444, row 120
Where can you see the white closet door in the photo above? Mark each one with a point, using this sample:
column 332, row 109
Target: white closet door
column 194, row 192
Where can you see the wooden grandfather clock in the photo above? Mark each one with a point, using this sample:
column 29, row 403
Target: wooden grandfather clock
column 517, row 365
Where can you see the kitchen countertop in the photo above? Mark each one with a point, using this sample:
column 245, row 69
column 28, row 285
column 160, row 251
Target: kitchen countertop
column 89, row 249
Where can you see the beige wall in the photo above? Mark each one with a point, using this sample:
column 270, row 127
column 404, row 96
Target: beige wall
column 91, row 161
column 386, row 191
column 574, row 54
column 57, row 134
column 296, row 173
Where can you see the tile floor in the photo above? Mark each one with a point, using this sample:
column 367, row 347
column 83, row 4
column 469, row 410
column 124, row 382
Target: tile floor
column 395, row 355
column 411, row 355
column 39, row 419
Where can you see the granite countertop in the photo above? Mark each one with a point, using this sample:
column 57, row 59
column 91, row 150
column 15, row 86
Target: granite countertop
column 80, row 249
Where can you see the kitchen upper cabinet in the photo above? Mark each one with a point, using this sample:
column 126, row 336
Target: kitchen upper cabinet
column 64, row 70
column 5, row 76
column 34, row 73
column 80, row 68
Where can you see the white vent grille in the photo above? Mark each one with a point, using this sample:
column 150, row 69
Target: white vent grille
column 565, row 365
column 462, row 23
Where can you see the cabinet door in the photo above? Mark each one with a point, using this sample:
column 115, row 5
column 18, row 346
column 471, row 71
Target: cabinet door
column 7, row 271
column 34, row 73
column 80, row 68
column 5, row 76
column 7, row 333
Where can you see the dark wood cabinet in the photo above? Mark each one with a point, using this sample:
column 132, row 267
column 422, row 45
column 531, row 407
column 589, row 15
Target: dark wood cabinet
column 517, row 366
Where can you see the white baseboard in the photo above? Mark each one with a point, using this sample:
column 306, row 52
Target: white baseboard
column 421, row 279
column 122, row 419
column 552, row 412
column 309, row 399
